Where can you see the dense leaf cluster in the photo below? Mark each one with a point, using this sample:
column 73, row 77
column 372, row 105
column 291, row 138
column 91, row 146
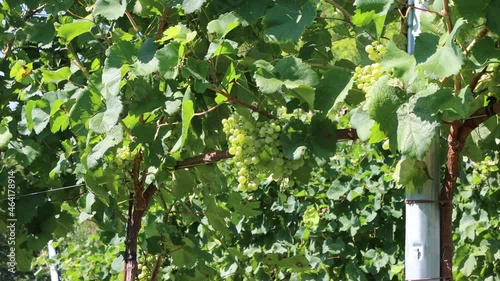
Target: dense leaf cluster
column 85, row 81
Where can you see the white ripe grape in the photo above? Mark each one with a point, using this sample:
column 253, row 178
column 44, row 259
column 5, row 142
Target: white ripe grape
column 248, row 141
column 375, row 51
column 366, row 76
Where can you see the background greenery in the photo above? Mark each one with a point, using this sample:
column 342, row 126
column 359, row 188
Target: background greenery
column 85, row 83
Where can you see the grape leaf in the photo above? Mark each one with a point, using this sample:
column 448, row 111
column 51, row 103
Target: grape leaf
column 216, row 216
column 40, row 32
column 331, row 86
column 485, row 51
column 113, row 137
column 361, row 19
column 103, row 122
column 71, row 30
column 401, row 63
column 59, row 122
column 290, row 72
column 427, row 45
column 448, row 59
column 110, row 9
column 445, row 101
column 492, row 20
column 416, row 130
column 37, row 115
column 56, row 76
column 469, row 266
column 382, row 106
column 411, row 173
column 252, row 10
column 168, row 58
column 287, row 20
column 191, row 6
column 184, row 183
column 472, row 10
column 360, row 120
column 224, row 24
column 323, row 137
column 146, row 62
column 373, row 5
column 248, row 209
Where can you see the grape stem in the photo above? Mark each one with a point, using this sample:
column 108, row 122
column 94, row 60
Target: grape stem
column 240, row 102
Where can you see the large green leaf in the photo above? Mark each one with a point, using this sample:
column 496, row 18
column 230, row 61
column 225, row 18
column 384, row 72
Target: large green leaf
column 323, row 137
column 444, row 101
column 103, row 122
column 224, row 24
column 401, row 63
column 41, row 32
column 492, row 20
column 334, row 82
column 37, row 115
column 113, row 137
column 417, row 126
column 183, row 183
column 412, row 174
column 373, row 5
column 56, row 76
column 361, row 121
column 168, row 59
column 287, row 20
column 71, row 30
column 289, row 72
column 472, row 10
column 110, row 9
column 191, row 6
column 447, row 60
column 146, row 63
column 217, row 216
column 382, row 106
column 252, row 10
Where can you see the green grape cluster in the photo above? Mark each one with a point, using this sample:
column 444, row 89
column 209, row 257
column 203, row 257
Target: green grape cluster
column 366, row 76
column 375, row 51
column 257, row 152
column 145, row 267
column 123, row 154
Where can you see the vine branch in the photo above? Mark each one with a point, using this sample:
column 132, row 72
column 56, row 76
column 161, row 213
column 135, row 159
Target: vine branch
column 216, row 156
column 240, row 102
